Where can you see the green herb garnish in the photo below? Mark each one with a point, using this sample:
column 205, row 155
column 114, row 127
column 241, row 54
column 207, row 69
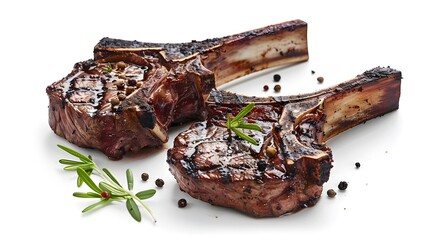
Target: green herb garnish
column 108, row 190
column 235, row 123
column 108, row 68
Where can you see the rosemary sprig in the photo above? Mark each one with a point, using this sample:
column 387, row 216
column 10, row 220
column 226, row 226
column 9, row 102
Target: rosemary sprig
column 108, row 190
column 235, row 123
column 108, row 68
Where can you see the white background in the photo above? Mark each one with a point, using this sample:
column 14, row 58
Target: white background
column 387, row 197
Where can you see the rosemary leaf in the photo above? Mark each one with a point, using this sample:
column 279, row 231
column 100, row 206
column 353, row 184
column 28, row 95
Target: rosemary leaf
column 83, row 166
column 133, row 209
column 70, row 162
column 244, row 136
column 86, row 195
column 236, row 123
column 146, row 194
column 243, row 112
column 110, row 175
column 93, row 194
column 111, row 189
column 86, row 179
column 76, row 154
column 79, row 181
column 130, row 179
column 250, row 126
column 92, row 206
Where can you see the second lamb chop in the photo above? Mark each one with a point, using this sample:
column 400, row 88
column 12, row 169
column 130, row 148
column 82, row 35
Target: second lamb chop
column 285, row 171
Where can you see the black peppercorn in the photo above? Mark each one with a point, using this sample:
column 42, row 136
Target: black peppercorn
column 343, row 185
column 266, row 87
column 357, row 164
column 182, row 203
column 145, row 176
column 159, row 182
column 276, row 77
column 132, row 82
column 262, row 165
column 331, row 193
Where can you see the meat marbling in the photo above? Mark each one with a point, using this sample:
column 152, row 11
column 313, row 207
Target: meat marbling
column 213, row 164
column 126, row 98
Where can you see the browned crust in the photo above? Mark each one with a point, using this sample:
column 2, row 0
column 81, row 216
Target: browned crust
column 292, row 196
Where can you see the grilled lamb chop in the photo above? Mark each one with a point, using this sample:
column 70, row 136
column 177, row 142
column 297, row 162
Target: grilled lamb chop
column 286, row 170
column 127, row 97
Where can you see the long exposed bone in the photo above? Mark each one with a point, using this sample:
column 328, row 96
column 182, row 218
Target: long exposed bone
column 228, row 57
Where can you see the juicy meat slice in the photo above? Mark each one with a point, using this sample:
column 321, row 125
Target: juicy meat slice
column 285, row 172
column 128, row 96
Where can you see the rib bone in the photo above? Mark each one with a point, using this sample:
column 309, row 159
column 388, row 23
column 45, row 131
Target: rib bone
column 228, row 57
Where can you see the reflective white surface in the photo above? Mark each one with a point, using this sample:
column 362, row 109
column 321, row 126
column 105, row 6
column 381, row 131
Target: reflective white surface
column 386, row 197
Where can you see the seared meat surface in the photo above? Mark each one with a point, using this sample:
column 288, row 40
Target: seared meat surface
column 285, row 172
column 128, row 96
column 109, row 105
